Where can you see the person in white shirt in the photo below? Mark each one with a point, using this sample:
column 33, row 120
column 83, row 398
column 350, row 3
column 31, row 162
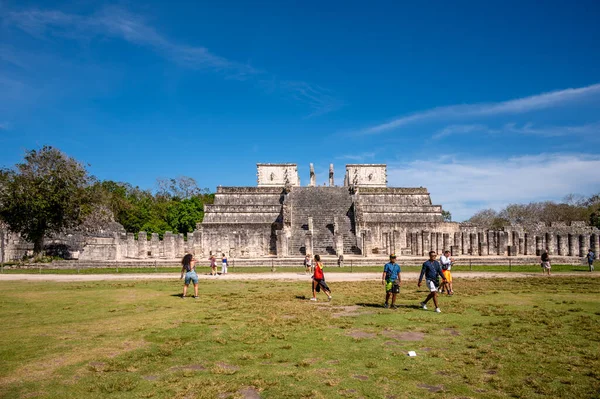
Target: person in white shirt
column 447, row 262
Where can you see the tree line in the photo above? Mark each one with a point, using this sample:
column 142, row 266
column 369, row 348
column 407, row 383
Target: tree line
column 573, row 208
column 50, row 192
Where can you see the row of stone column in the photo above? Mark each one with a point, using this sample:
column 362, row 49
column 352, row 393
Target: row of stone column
column 171, row 246
column 500, row 243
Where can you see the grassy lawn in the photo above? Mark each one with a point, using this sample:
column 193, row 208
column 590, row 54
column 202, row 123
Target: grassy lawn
column 527, row 338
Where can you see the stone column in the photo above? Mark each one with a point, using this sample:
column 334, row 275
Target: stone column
column 368, row 243
column 529, row 244
column 310, row 224
column 308, row 243
column 464, row 245
column 596, row 245
column 457, row 244
column 584, row 244
column 154, row 241
column 169, row 245
column 483, row 245
column 572, row 244
column 179, row 246
column 426, row 237
column 313, row 180
column 190, row 245
column 132, row 247
column 419, row 244
column 331, row 184
column 198, row 236
column 492, row 247
column 502, row 247
column 474, row 244
column 440, row 242
column 550, row 244
column 562, row 244
column 282, row 249
column 339, row 244
column 119, row 249
column 539, row 247
column 522, row 246
column 142, row 245
column 515, row 242
column 446, row 242
column 397, row 242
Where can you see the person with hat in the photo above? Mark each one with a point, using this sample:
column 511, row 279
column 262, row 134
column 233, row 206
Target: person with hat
column 391, row 280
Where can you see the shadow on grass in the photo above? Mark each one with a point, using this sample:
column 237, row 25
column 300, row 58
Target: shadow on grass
column 380, row 305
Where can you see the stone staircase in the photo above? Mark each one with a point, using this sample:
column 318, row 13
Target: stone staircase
column 323, row 204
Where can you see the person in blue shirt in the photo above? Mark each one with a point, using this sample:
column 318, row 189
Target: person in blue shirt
column 590, row 258
column 391, row 280
column 431, row 270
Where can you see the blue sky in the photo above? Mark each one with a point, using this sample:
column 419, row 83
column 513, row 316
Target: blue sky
column 483, row 103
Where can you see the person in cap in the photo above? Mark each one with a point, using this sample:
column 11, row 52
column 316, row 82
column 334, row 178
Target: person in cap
column 391, row 280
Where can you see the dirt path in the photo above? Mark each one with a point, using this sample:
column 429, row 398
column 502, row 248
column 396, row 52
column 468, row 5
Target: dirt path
column 278, row 276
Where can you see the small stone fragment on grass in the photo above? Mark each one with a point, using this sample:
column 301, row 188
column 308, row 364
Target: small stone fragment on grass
column 432, row 388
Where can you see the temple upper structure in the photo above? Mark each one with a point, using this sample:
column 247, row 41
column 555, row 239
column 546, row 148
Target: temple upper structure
column 277, row 174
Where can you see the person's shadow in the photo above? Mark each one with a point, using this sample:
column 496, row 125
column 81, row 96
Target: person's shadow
column 380, row 305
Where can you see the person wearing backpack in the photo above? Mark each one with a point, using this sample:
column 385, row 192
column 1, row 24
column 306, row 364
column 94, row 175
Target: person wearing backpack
column 188, row 266
column 590, row 258
column 391, row 280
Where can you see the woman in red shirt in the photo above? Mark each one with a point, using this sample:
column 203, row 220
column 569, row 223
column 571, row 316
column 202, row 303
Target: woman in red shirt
column 319, row 280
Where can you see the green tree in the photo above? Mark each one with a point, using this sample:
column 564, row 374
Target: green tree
column 43, row 195
column 447, row 216
column 182, row 216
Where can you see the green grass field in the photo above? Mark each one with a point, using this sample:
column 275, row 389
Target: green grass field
column 504, row 338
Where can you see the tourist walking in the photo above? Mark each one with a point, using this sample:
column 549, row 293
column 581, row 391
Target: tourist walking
column 318, row 282
column 391, row 280
column 431, row 270
column 224, row 264
column 545, row 262
column 188, row 266
column 590, row 258
column 309, row 264
column 446, row 262
column 213, row 265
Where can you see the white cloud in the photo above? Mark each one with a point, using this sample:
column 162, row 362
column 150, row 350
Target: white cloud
column 357, row 157
column 591, row 129
column 464, row 187
column 516, row 106
column 117, row 22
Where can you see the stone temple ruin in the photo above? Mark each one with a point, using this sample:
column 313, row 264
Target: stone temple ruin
column 363, row 218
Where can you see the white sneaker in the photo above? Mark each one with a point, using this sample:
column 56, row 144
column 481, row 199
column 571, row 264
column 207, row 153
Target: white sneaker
column 423, row 306
column 313, row 299
column 437, row 310
column 329, row 298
